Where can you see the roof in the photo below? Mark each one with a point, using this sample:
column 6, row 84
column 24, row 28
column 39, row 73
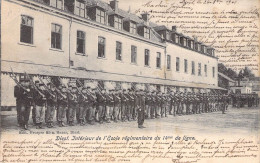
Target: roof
column 226, row 77
column 66, row 72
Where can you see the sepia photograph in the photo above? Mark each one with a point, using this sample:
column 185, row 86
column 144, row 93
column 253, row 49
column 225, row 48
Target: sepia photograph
column 173, row 81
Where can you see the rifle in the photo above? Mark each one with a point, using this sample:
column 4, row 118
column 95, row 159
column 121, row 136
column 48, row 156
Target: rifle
column 13, row 76
column 56, row 89
column 89, row 93
column 45, row 86
column 34, row 86
column 66, row 87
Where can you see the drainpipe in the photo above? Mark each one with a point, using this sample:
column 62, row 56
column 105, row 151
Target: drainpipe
column 165, row 65
column 70, row 21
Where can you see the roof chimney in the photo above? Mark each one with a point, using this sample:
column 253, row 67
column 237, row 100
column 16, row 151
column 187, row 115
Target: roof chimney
column 114, row 5
column 174, row 28
column 145, row 16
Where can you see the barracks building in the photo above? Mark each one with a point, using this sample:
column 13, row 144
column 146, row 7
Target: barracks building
column 99, row 42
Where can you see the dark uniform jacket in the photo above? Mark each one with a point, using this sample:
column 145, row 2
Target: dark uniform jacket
column 22, row 96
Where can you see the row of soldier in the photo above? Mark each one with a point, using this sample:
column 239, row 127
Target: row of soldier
column 240, row 100
column 89, row 105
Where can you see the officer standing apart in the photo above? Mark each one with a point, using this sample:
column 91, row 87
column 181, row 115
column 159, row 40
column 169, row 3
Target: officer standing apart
column 141, row 108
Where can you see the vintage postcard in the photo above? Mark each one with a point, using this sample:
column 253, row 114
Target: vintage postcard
column 130, row 81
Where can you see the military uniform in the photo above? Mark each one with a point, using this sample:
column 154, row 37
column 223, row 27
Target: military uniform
column 62, row 106
column 141, row 109
column 124, row 109
column 24, row 102
column 109, row 106
column 101, row 105
column 148, row 104
column 40, row 105
column 153, row 105
column 117, row 105
column 51, row 106
column 131, row 104
column 91, row 106
column 83, row 106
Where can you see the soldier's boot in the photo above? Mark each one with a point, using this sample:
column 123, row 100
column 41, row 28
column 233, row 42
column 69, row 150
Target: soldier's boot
column 82, row 122
column 25, row 126
column 37, row 125
column 71, row 123
column 41, row 126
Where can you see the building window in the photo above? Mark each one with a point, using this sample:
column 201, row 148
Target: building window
column 81, row 42
column 146, row 33
column 213, row 72
column 26, row 33
column 193, row 68
column 199, row 69
column 56, row 36
column 133, row 28
column 206, row 70
column 133, row 54
column 185, row 65
column 101, row 47
column 168, row 62
column 177, row 64
column 119, row 51
column 57, row 4
column 100, row 16
column 118, row 22
column 177, row 39
column 80, row 9
column 146, row 57
column 158, row 60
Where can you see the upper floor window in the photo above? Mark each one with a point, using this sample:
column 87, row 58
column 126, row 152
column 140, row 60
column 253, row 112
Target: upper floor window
column 206, row 70
column 185, row 65
column 158, row 60
column 119, row 51
column 56, row 36
column 168, row 62
column 177, row 64
column 199, row 69
column 199, row 47
column 118, row 22
column 146, row 32
column 133, row 54
column 81, row 42
column 100, row 16
column 101, row 47
column 146, row 57
column 133, row 28
column 80, row 9
column 193, row 68
column 191, row 44
column 177, row 39
column 26, row 33
column 57, row 4
column 213, row 72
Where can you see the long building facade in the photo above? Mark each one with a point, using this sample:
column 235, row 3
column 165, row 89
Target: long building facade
column 99, row 42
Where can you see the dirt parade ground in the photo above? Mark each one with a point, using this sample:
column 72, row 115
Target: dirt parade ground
column 241, row 121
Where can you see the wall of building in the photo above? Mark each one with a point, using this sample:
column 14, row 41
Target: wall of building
column 40, row 52
column 177, row 51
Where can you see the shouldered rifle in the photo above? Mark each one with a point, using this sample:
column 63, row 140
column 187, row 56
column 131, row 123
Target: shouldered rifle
column 13, row 76
column 57, row 90
column 34, row 86
column 46, row 87
column 89, row 93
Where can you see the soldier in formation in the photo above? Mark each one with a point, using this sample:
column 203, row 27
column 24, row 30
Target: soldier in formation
column 87, row 105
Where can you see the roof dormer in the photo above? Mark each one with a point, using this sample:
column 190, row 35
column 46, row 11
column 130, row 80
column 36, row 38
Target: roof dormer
column 97, row 12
